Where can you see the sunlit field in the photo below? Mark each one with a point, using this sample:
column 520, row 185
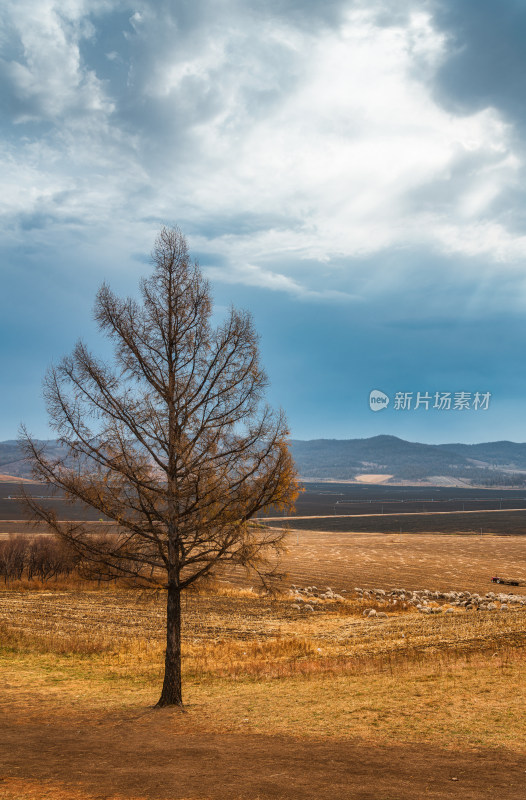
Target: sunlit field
column 254, row 646
column 302, row 664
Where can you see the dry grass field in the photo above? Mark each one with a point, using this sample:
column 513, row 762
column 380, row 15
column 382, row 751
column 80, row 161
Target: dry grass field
column 281, row 703
column 414, row 561
column 369, row 560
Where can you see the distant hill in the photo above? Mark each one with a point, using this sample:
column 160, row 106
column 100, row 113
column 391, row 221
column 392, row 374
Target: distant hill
column 487, row 464
column 12, row 461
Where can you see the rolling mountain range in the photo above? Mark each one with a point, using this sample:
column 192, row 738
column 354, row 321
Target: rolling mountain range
column 490, row 464
column 487, row 464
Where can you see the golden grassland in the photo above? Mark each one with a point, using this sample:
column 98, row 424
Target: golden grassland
column 255, row 663
column 370, row 560
column 408, row 560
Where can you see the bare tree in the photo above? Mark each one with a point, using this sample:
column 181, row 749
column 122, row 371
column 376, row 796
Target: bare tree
column 171, row 443
column 13, row 557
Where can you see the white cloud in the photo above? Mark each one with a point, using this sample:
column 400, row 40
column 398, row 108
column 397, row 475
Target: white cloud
column 282, row 146
column 48, row 77
column 253, row 275
column 341, row 155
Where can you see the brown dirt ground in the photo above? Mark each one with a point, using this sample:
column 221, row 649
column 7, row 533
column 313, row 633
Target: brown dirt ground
column 163, row 755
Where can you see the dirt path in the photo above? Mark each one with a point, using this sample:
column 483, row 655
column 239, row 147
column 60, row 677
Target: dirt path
column 161, row 755
column 396, row 514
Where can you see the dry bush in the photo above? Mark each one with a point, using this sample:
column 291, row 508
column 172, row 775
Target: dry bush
column 36, row 559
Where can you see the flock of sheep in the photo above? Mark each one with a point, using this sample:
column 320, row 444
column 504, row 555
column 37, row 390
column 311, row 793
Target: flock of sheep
column 424, row 601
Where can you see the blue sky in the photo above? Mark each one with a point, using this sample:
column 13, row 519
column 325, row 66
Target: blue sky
column 352, row 173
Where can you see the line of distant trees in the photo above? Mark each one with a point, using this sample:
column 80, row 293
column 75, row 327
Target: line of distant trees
column 43, row 558
column 502, row 479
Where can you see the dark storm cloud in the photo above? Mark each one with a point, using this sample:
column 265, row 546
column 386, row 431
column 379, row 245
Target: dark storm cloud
column 486, row 63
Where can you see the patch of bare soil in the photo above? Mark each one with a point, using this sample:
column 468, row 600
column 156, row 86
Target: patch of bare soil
column 164, row 755
column 372, row 478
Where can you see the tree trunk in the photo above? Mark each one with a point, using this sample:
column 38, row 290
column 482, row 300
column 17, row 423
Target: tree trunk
column 171, row 694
